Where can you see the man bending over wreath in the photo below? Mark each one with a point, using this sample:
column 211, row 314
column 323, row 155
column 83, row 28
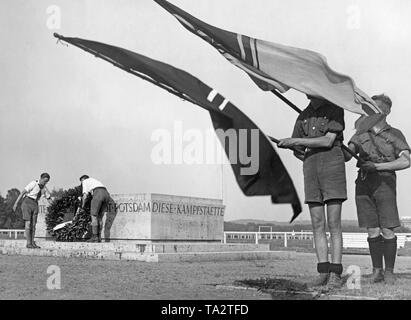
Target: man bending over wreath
column 100, row 198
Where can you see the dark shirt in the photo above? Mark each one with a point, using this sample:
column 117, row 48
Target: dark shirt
column 317, row 122
column 385, row 146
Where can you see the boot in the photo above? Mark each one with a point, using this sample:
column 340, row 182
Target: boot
column 335, row 281
column 390, row 253
column 323, row 268
column 320, row 280
column 376, row 246
column 94, row 237
column 377, row 275
column 99, row 232
column 29, row 239
column 389, row 276
column 33, row 243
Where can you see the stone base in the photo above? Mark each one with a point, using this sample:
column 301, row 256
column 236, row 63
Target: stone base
column 149, row 216
column 146, row 251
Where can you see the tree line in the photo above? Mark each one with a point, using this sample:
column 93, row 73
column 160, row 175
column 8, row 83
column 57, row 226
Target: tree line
column 9, row 219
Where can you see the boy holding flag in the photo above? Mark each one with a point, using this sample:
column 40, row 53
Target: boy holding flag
column 318, row 134
column 384, row 150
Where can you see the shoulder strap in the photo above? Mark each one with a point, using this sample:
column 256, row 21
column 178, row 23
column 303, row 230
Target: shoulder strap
column 377, row 147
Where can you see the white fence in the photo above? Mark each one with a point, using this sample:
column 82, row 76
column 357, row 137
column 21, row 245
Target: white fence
column 257, row 236
column 239, row 236
column 11, row 233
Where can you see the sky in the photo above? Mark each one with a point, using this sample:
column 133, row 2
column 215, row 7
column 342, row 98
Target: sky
column 67, row 113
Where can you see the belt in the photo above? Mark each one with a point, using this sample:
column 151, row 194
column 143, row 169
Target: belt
column 31, row 199
column 363, row 175
column 317, row 150
column 92, row 191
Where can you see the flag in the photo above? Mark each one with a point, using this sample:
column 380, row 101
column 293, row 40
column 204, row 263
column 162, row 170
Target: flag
column 271, row 177
column 275, row 66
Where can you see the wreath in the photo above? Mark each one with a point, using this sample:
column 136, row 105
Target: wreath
column 68, row 203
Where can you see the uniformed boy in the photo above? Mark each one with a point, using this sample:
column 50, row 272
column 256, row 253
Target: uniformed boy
column 318, row 133
column 100, row 199
column 384, row 150
column 30, row 207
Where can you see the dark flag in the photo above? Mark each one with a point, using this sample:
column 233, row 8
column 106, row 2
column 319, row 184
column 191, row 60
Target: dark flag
column 270, row 178
column 274, row 66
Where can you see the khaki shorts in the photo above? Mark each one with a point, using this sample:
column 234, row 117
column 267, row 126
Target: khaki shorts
column 324, row 175
column 376, row 199
column 30, row 209
column 99, row 202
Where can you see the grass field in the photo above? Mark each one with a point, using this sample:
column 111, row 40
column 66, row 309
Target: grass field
column 23, row 277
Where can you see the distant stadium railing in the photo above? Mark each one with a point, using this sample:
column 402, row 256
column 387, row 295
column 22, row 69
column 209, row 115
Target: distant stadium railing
column 11, row 233
column 255, row 237
column 235, row 236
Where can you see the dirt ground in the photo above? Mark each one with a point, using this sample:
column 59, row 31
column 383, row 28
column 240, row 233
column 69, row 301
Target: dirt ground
column 23, row 277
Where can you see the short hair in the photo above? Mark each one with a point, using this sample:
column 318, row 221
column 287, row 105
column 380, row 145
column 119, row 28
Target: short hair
column 84, row 176
column 383, row 98
column 45, row 175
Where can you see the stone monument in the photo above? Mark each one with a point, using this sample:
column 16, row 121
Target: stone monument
column 151, row 227
column 156, row 217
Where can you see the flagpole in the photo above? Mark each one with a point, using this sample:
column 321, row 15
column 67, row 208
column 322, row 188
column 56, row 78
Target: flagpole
column 276, row 141
column 222, row 182
column 284, row 99
column 294, row 107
